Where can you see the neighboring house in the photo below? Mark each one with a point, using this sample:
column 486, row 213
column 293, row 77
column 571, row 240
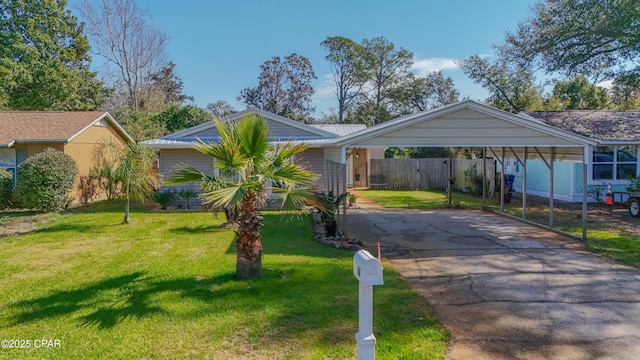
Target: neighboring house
column 27, row 133
column 177, row 148
column 613, row 160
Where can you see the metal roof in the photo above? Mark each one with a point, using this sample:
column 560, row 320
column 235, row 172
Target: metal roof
column 321, row 133
column 188, row 142
column 340, row 129
column 465, row 123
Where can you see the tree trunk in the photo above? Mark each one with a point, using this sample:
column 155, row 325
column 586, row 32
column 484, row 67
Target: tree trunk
column 248, row 242
column 231, row 214
column 127, row 219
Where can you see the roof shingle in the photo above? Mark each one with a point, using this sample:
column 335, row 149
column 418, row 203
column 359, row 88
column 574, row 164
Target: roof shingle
column 43, row 125
column 607, row 125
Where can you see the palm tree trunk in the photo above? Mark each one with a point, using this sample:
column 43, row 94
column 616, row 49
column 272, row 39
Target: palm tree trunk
column 248, row 242
column 127, row 218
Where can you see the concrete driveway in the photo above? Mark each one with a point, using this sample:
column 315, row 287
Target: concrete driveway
column 506, row 290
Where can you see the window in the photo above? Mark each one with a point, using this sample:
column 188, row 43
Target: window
column 626, row 162
column 8, row 161
column 615, row 163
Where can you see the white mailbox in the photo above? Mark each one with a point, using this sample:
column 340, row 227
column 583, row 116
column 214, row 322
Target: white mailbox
column 367, row 269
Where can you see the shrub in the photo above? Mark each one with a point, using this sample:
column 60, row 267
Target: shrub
column 87, row 188
column 328, row 205
column 187, row 194
column 162, row 198
column 105, row 174
column 6, row 186
column 44, row 180
column 634, row 184
column 596, row 192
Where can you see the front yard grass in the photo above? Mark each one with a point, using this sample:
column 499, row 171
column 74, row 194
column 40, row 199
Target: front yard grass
column 432, row 199
column 608, row 238
column 163, row 287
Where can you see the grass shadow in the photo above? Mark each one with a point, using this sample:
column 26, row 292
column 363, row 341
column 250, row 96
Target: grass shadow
column 68, row 227
column 11, row 213
column 116, row 299
column 198, row 229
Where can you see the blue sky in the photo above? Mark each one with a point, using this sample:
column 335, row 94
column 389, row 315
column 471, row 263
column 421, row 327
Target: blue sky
column 219, row 45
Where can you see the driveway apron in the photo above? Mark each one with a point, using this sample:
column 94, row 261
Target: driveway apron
column 507, row 290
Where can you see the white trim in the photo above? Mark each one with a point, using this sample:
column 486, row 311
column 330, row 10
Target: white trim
column 109, row 119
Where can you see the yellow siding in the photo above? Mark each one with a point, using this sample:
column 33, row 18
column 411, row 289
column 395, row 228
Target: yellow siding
column 34, row 149
column 81, row 147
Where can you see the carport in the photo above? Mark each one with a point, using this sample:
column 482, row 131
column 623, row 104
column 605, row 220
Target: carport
column 469, row 123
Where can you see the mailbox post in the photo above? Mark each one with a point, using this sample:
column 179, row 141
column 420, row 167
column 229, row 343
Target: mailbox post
column 368, row 271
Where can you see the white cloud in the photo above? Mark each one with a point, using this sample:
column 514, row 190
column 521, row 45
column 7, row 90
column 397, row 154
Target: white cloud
column 425, row 66
column 607, row 84
column 326, row 88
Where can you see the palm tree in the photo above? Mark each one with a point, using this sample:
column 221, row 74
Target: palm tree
column 187, row 174
column 132, row 166
column 252, row 168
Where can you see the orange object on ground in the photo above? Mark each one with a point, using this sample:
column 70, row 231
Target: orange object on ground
column 609, row 196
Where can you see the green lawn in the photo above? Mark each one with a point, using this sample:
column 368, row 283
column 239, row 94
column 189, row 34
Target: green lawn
column 163, row 288
column 432, row 199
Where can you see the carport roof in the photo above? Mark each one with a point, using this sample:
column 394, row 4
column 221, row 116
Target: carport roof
column 468, row 123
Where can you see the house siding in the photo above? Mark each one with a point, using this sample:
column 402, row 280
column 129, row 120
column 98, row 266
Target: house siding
column 313, row 159
column 35, row 149
column 81, row 147
column 538, row 179
column 333, row 154
column 172, row 159
column 277, row 129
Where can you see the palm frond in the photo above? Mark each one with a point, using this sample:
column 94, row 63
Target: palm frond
column 328, row 204
column 293, row 173
column 211, row 183
column 136, row 171
column 292, row 197
column 227, row 154
column 186, row 174
column 253, row 135
column 283, row 153
column 225, row 196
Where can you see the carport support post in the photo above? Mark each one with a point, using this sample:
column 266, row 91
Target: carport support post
column 524, row 183
column 449, row 181
column 585, row 154
column 343, row 170
column 551, row 189
column 484, row 176
column 344, row 202
column 502, row 180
